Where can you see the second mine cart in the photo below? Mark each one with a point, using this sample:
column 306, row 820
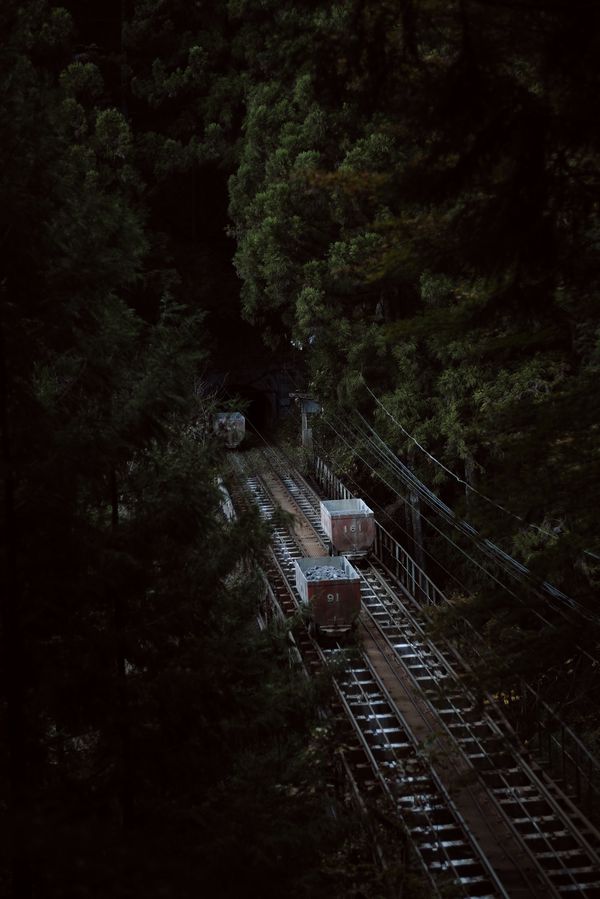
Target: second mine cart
column 330, row 587
column 230, row 427
column 350, row 526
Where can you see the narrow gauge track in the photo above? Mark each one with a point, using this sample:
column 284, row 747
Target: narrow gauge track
column 554, row 851
column 556, row 837
column 390, row 759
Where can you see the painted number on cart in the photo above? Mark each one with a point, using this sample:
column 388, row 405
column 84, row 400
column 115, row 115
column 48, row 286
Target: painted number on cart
column 333, row 597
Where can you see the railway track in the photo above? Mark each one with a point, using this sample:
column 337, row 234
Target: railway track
column 478, row 814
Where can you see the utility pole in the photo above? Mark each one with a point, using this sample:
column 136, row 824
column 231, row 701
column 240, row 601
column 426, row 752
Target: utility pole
column 308, row 407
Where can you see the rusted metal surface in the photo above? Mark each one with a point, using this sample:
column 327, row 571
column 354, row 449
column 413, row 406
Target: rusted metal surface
column 349, row 524
column 334, row 602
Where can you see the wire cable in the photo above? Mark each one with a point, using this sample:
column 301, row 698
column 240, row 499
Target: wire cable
column 401, row 528
column 452, row 474
column 428, row 520
column 495, row 553
column 512, row 567
column 545, row 621
column 538, row 614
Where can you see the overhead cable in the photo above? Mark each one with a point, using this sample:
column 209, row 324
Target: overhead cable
column 507, row 562
column 396, row 523
column 538, row 614
column 428, row 520
column 453, row 474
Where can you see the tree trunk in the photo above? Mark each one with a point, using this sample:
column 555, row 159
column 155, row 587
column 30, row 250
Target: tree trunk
column 409, row 31
column 125, row 776
column 465, row 27
column 12, row 645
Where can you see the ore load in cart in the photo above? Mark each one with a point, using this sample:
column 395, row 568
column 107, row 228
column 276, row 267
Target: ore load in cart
column 349, row 525
column 330, row 587
column 230, row 427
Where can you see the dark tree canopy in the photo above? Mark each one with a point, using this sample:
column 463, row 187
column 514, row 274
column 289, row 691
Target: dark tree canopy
column 404, row 195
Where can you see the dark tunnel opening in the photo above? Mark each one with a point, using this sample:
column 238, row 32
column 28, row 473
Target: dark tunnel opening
column 257, row 406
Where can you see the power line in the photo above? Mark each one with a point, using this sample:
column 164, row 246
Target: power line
column 396, row 523
column 432, row 497
column 415, row 481
column 512, row 567
column 428, row 520
column 539, row 615
column 507, row 563
column 463, row 552
column 452, row 474
column 404, row 501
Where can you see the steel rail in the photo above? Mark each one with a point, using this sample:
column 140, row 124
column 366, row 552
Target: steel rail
column 308, row 506
column 413, row 786
column 563, row 857
column 282, row 552
column 306, row 656
column 460, row 769
column 532, row 813
column 460, row 857
column 420, row 589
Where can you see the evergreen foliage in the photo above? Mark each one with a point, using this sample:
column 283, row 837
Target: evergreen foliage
column 416, row 205
column 413, row 203
column 155, row 741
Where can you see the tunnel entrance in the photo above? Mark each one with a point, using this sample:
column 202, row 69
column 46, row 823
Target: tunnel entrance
column 262, row 394
column 256, row 383
column 257, row 406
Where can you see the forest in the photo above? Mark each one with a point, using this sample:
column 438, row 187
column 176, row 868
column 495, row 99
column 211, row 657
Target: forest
column 400, row 199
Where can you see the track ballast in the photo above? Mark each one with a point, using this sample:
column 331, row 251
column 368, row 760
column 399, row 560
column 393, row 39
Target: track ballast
column 476, row 812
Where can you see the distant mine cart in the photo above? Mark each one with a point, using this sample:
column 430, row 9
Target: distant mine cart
column 230, row 427
column 349, row 525
column 330, row 587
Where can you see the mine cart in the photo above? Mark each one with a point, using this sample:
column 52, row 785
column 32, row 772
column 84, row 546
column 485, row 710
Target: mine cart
column 230, row 427
column 330, row 587
column 350, row 526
